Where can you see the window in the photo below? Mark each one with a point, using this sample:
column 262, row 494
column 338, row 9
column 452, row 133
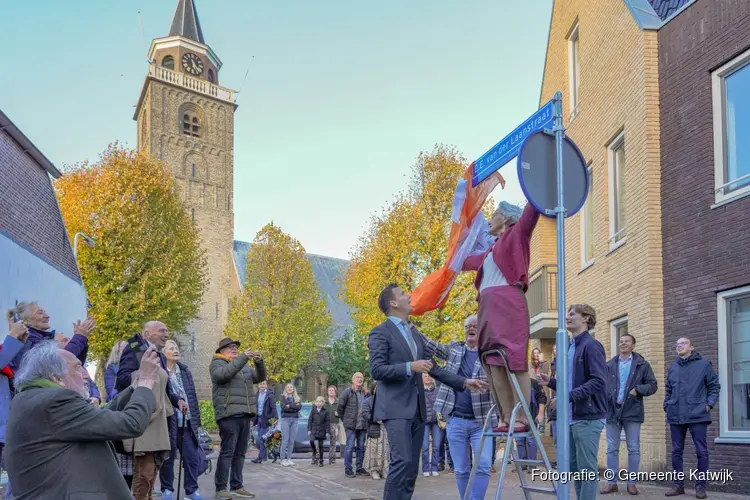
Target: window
column 731, row 128
column 733, row 314
column 574, row 71
column 211, row 76
column 192, row 214
column 190, row 125
column 617, row 197
column 168, row 62
column 587, row 226
column 617, row 329
column 217, row 310
column 193, row 173
column 192, row 342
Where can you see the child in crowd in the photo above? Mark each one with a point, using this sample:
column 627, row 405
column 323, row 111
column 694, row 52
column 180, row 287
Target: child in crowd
column 318, row 425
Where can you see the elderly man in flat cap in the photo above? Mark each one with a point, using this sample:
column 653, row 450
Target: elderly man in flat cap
column 234, row 406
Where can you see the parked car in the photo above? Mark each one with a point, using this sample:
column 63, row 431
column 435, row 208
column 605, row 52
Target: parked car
column 301, row 439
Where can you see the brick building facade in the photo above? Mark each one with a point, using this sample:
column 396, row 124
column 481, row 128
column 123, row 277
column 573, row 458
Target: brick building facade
column 604, row 61
column 704, row 73
column 37, row 258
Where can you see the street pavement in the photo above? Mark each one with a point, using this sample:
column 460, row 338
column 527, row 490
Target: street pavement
column 304, row 481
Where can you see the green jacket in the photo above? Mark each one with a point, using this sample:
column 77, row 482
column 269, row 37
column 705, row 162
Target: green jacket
column 233, row 381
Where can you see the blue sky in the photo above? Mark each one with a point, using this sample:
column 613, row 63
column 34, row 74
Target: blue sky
column 340, row 98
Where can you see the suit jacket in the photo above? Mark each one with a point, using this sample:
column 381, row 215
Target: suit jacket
column 268, row 411
column 59, row 444
column 401, row 395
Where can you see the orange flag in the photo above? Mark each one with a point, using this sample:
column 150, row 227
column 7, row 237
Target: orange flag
column 468, row 236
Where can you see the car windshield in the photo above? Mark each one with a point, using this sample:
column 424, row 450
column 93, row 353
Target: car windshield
column 305, row 411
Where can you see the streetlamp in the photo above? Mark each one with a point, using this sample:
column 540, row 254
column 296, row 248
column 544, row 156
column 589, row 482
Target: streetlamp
column 89, row 242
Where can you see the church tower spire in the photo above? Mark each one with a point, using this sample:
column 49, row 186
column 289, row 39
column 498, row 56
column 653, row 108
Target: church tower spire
column 186, row 23
column 186, row 120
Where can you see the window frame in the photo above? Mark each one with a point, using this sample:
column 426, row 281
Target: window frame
column 585, row 212
column 574, row 71
column 613, row 326
column 722, row 311
column 616, row 143
column 718, row 95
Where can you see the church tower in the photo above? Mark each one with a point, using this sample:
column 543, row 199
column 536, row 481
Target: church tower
column 186, row 120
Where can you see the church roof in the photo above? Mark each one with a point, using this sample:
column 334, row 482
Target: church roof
column 328, row 272
column 186, row 23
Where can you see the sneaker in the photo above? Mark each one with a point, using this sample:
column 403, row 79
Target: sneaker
column 435, row 473
column 290, row 463
column 362, row 472
column 194, row 496
column 320, row 464
column 167, row 495
column 700, row 492
column 223, row 495
column 350, row 473
column 242, row 493
column 426, row 474
column 375, row 475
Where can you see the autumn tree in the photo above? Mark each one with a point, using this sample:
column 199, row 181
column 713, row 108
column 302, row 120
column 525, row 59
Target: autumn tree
column 147, row 262
column 409, row 240
column 346, row 356
column 281, row 312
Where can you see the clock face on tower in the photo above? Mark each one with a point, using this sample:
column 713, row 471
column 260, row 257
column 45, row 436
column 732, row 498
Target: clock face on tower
column 192, row 63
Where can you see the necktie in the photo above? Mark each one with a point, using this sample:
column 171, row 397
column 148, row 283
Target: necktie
column 410, row 340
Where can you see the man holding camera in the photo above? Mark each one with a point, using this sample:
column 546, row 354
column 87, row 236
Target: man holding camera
column 152, row 448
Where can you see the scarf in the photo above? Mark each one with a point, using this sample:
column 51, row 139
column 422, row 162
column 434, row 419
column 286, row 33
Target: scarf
column 39, row 383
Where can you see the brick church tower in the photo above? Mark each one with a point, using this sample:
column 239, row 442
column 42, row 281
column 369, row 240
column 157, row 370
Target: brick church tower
column 186, row 120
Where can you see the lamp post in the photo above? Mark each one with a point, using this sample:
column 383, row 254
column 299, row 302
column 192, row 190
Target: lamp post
column 89, row 242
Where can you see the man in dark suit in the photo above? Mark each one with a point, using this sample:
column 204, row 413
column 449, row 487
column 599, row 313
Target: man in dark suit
column 397, row 361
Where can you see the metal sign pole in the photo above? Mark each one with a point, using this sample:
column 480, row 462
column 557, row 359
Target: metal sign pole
column 563, row 396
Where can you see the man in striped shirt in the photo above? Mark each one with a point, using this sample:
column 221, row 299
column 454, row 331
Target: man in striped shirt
column 465, row 411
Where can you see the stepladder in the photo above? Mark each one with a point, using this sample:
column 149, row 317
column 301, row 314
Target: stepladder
column 526, row 468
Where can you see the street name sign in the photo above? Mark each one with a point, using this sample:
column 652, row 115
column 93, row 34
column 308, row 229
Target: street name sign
column 507, row 149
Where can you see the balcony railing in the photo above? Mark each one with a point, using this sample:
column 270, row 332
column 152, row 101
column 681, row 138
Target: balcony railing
column 542, row 293
column 190, row 83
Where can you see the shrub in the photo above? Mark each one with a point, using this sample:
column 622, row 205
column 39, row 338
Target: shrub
column 207, row 416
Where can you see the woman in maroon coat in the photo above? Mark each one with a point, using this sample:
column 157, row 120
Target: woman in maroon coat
column 502, row 281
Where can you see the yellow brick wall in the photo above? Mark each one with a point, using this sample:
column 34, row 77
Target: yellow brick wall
column 618, row 91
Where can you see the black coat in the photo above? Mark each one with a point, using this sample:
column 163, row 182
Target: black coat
column 192, row 397
column 552, row 412
column 692, row 384
column 537, row 397
column 641, row 379
column 130, row 362
column 349, row 411
column 319, row 423
column 373, row 428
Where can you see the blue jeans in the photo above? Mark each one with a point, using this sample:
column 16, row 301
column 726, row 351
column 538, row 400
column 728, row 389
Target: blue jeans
column 633, row 441
column 190, row 460
column 434, row 431
column 526, row 448
column 584, row 451
column 288, row 432
column 261, row 442
column 553, row 431
column 698, row 433
column 463, row 435
column 352, row 438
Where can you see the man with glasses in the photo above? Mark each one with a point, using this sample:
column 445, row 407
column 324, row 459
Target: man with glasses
column 692, row 390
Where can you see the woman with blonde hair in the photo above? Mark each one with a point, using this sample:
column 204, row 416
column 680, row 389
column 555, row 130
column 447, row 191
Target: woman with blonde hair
column 290, row 406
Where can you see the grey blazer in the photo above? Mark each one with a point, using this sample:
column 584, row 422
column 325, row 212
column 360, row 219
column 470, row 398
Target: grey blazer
column 401, row 395
column 58, row 444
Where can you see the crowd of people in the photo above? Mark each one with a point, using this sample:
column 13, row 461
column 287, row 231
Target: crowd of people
column 427, row 402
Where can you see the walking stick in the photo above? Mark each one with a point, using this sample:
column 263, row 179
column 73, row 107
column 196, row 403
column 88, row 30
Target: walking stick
column 181, row 444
